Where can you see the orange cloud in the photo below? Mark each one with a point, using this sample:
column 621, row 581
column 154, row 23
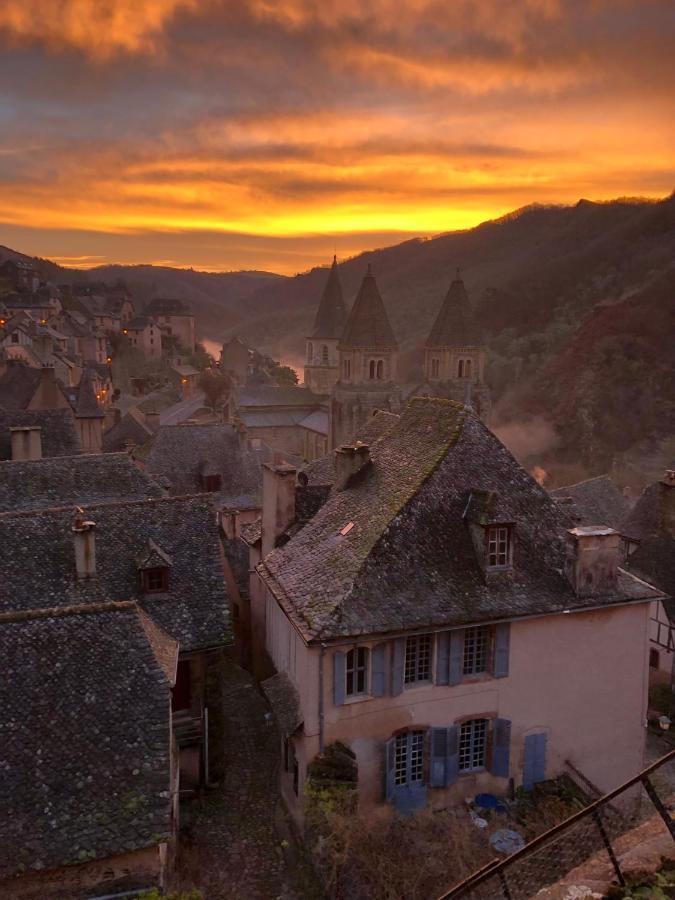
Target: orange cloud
column 98, row 29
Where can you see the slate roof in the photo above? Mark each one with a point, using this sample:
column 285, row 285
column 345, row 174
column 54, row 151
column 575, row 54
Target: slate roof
column 368, row 325
column 60, row 436
column 84, row 736
column 316, row 421
column 596, row 501
column 455, row 325
column 72, row 480
column 331, row 316
column 129, row 430
column 408, row 560
column 647, row 523
column 138, row 323
column 644, row 518
column 182, row 453
column 261, row 395
column 38, row 563
column 83, row 397
column 285, row 702
column 18, row 385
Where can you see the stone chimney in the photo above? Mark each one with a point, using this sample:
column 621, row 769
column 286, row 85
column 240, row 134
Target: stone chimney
column 26, row 441
column 85, row 545
column 278, row 503
column 47, row 395
column 350, row 459
column 592, row 560
column 152, row 419
column 667, row 501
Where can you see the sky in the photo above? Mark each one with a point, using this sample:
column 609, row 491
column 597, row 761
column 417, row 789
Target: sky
column 268, row 134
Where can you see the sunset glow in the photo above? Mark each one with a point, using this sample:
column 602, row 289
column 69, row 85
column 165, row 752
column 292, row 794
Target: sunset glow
column 254, row 134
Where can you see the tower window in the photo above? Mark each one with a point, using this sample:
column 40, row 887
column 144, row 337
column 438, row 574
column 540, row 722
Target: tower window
column 435, row 367
column 371, row 370
column 347, row 369
column 310, row 352
column 324, row 355
column 467, row 368
column 460, row 369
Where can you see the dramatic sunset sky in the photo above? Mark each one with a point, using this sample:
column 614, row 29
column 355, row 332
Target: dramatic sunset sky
column 226, row 134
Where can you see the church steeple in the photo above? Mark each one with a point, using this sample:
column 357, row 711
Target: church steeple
column 455, row 325
column 368, row 324
column 321, row 369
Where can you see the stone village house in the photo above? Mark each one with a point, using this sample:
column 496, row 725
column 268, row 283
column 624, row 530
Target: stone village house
column 433, row 608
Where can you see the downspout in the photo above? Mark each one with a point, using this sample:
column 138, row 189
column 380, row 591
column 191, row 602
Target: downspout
column 321, row 657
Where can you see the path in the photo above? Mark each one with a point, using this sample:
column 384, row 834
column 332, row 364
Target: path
column 235, row 831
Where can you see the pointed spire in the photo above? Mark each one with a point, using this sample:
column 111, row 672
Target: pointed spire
column 455, row 325
column 368, row 325
column 332, row 312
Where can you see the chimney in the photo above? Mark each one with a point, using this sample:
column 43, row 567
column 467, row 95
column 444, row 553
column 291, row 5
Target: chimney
column 85, row 545
column 350, row 459
column 592, row 560
column 278, row 503
column 26, row 442
column 48, row 390
column 667, row 501
column 152, row 419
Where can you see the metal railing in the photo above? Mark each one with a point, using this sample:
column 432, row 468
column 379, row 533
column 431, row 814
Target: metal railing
column 596, row 828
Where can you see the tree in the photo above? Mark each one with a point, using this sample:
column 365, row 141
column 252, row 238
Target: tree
column 284, row 375
column 215, row 387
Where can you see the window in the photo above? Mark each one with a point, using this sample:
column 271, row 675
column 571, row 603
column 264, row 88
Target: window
column 324, row 355
column 472, row 744
column 356, row 672
column 653, row 659
column 211, row 483
column 409, row 758
column 380, row 369
column 371, row 370
column 498, row 546
column 347, row 368
column 476, row 650
column 15, row 338
column 467, row 368
column 310, row 352
column 155, row 580
column 460, row 369
column 417, row 659
column 435, row 367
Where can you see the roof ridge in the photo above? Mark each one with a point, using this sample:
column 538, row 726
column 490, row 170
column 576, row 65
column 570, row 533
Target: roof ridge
column 70, row 456
column 564, row 487
column 105, row 504
column 50, row 612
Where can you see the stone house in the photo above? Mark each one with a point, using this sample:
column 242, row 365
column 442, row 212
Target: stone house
column 437, row 612
column 273, row 414
column 89, row 803
column 175, row 319
column 145, row 335
column 235, row 359
column 162, row 553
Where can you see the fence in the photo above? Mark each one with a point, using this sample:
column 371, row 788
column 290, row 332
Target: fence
column 598, row 827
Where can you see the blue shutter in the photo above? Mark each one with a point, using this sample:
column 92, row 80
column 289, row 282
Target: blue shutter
column 398, row 667
column 502, row 641
column 443, row 657
column 378, row 670
column 534, row 767
column 390, row 769
column 339, row 677
column 456, row 656
column 452, row 758
column 438, row 756
column 501, row 748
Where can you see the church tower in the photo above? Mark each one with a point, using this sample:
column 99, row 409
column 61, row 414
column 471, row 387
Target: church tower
column 321, row 368
column 454, row 353
column 368, row 358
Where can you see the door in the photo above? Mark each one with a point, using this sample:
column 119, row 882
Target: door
column 410, row 792
column 534, row 767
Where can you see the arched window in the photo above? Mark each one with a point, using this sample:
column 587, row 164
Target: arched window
column 467, row 368
column 310, row 352
column 380, row 369
column 324, row 355
column 371, row 370
column 346, row 369
column 435, row 367
column 460, row 369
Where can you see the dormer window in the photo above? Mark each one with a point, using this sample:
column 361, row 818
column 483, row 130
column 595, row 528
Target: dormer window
column 499, row 539
column 211, row 483
column 156, row 581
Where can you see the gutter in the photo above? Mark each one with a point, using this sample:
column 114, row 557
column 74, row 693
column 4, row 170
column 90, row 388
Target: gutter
column 321, row 718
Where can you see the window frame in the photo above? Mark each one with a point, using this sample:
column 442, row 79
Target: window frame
column 410, row 756
column 352, row 670
column 497, row 527
column 423, row 645
column 479, row 649
column 473, row 739
column 207, row 482
column 435, row 367
column 148, row 575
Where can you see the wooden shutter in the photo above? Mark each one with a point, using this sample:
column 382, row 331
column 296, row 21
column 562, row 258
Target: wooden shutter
column 339, row 677
column 398, row 666
column 452, row 758
column 534, row 768
column 443, row 657
column 378, row 670
column 438, row 756
column 456, row 667
column 389, row 769
column 501, row 747
column 502, row 642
